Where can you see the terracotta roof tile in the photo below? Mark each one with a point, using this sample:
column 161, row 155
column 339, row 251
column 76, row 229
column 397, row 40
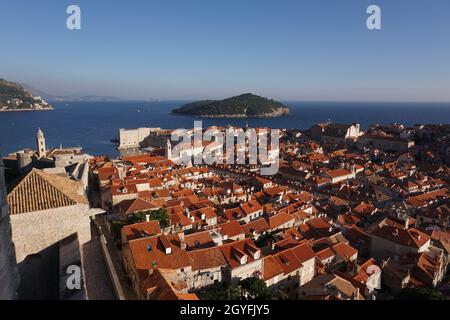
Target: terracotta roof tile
column 38, row 191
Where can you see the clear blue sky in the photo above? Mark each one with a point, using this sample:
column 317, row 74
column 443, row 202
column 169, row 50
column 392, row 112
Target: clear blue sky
column 189, row 49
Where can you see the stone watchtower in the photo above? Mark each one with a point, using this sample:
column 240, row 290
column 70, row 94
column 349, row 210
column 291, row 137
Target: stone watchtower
column 40, row 142
column 9, row 276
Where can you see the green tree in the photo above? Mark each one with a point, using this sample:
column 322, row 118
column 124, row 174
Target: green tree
column 136, row 218
column 419, row 294
column 154, row 215
column 255, row 288
column 160, row 215
column 223, row 292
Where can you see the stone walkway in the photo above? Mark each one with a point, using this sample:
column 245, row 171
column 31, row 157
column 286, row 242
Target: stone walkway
column 116, row 256
column 97, row 280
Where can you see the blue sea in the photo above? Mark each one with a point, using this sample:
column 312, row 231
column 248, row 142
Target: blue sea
column 92, row 125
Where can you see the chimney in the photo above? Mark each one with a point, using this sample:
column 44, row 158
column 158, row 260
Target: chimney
column 152, row 268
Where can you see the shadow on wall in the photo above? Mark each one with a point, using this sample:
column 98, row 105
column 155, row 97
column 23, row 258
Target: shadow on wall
column 39, row 275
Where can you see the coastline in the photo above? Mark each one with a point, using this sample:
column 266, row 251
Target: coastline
column 276, row 114
column 27, row 110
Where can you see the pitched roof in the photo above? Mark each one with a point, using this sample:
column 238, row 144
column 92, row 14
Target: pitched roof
column 232, row 228
column 344, row 251
column 337, row 173
column 328, row 281
column 164, row 285
column 288, row 261
column 206, row 258
column 38, row 191
column 199, row 240
column 251, row 207
column 147, row 251
column 279, row 219
column 259, row 226
column 245, row 246
column 136, row 205
column 271, row 268
column 141, row 230
column 411, row 237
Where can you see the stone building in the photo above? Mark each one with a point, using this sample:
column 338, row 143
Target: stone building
column 131, row 138
column 45, row 209
column 40, row 143
column 335, row 133
column 9, row 277
column 387, row 143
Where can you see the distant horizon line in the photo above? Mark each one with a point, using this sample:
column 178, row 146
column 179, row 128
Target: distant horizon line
column 281, row 100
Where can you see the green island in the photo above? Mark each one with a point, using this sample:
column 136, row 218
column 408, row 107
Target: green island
column 244, row 106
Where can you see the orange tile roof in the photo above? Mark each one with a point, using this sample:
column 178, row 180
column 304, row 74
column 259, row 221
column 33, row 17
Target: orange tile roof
column 198, row 240
column 140, row 230
column 344, row 251
column 244, row 246
column 280, row 219
column 259, row 226
column 272, row 268
column 251, row 207
column 411, row 237
column 207, row 258
column 147, row 251
column 288, row 261
column 136, row 205
column 337, row 173
column 231, row 228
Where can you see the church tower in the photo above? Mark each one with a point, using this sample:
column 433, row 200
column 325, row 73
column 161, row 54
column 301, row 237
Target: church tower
column 40, row 141
column 168, row 150
column 9, row 276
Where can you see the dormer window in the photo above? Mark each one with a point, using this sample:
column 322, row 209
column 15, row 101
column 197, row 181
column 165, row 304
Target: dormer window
column 165, row 245
column 239, row 256
column 284, row 260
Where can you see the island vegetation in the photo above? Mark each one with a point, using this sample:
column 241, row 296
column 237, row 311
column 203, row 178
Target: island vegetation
column 14, row 97
column 244, row 106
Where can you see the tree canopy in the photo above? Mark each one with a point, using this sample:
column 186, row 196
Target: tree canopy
column 248, row 105
column 419, row 294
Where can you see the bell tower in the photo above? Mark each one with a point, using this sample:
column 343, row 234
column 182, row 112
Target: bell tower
column 168, row 149
column 9, row 276
column 40, row 141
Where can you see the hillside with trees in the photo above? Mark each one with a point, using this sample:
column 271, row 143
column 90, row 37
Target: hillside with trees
column 244, row 106
column 14, row 97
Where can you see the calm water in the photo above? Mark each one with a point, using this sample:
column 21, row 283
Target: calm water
column 93, row 125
